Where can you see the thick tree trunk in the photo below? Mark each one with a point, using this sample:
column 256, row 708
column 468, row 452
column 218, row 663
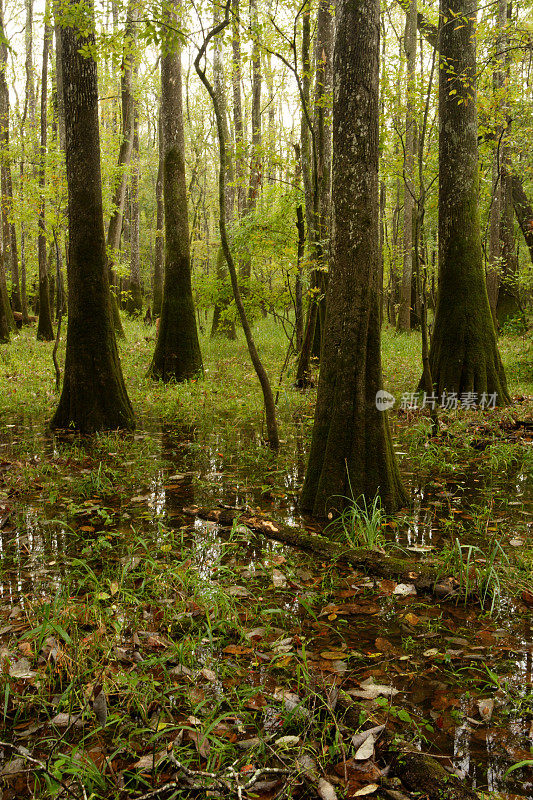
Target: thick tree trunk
column 177, row 352
column 406, row 302
column 159, row 230
column 45, row 331
column 94, row 396
column 351, row 450
column 464, row 355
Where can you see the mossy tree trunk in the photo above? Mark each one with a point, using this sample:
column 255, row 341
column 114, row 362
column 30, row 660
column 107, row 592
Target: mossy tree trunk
column 94, row 395
column 351, row 449
column 159, row 249
column 45, row 331
column 464, row 354
column 134, row 301
column 177, row 352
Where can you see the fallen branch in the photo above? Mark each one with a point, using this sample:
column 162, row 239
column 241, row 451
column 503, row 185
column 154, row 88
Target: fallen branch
column 425, row 577
column 421, row 773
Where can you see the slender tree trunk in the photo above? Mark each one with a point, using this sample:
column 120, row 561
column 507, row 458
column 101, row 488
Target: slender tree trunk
column 134, row 303
column 464, row 354
column 114, row 230
column 159, row 229
column 6, row 311
column 177, row 353
column 303, row 368
column 45, row 330
column 406, row 301
column 236, row 79
column 94, row 396
column 256, row 161
column 268, row 397
column 221, row 324
column 59, row 84
column 351, row 450
column 316, row 165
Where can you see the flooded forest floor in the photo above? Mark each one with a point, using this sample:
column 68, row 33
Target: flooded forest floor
column 154, row 644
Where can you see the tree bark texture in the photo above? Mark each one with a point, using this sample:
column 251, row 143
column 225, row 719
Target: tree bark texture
column 464, row 355
column 404, row 311
column 159, row 254
column 114, row 230
column 134, row 301
column 177, row 352
column 45, row 331
column 4, row 156
column 94, row 395
column 351, row 451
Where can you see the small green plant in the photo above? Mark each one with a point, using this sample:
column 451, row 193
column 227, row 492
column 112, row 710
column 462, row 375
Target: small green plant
column 362, row 524
column 476, row 571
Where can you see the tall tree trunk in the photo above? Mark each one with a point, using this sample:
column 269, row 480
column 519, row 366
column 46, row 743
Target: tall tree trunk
column 317, row 165
column 94, row 395
column 159, row 228
column 4, row 154
column 45, row 331
column 236, row 79
column 303, row 368
column 404, row 311
column 177, row 352
column 134, row 302
column 464, row 354
column 256, row 161
column 59, row 84
column 114, row 230
column 268, row 398
column 351, row 450
column 221, row 324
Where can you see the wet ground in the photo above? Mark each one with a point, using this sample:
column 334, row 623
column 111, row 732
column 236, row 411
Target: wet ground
column 462, row 680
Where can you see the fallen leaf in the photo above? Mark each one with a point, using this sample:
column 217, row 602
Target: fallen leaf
column 369, row 789
column 288, row 741
column 404, row 589
column 237, row 650
column 278, row 579
column 325, row 790
column 208, row 674
column 238, row 591
column 486, row 707
column 370, row 690
column 21, row 670
column 365, row 750
column 333, row 655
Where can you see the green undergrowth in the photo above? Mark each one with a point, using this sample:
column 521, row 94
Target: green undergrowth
column 202, row 639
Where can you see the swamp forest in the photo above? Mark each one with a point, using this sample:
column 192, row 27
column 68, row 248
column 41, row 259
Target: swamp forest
column 266, row 407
